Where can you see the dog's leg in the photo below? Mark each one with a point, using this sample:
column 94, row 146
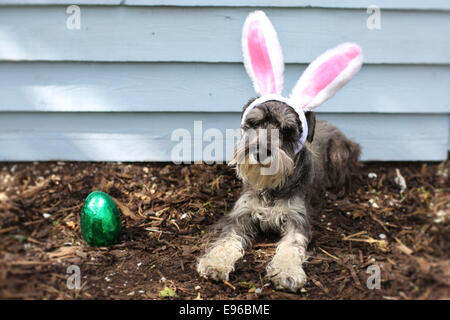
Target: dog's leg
column 235, row 235
column 285, row 270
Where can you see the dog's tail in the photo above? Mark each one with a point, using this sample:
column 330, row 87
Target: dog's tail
column 337, row 158
column 342, row 166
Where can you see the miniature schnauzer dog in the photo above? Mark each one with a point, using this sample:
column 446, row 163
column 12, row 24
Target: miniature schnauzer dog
column 285, row 158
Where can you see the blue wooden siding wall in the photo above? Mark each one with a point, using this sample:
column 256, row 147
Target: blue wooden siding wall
column 138, row 69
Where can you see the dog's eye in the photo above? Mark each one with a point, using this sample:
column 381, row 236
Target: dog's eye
column 287, row 131
column 252, row 123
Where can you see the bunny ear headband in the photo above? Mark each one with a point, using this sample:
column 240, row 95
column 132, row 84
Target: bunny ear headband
column 263, row 61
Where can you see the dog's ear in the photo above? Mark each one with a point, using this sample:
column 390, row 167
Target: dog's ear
column 248, row 104
column 311, row 120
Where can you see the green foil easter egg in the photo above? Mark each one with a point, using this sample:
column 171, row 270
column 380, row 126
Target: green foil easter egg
column 100, row 220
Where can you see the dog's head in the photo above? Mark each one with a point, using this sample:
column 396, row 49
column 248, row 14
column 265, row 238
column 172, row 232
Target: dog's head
column 271, row 132
column 275, row 128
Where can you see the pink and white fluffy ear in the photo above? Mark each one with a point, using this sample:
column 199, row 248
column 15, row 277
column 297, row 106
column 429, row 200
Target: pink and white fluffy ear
column 263, row 58
column 326, row 75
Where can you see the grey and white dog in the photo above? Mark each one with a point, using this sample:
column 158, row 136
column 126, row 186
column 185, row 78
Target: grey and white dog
column 285, row 158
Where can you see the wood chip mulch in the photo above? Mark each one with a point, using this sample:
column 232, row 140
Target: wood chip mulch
column 397, row 219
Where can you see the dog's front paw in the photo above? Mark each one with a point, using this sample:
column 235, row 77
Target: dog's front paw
column 287, row 276
column 212, row 268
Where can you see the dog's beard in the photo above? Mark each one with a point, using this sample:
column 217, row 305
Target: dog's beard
column 270, row 175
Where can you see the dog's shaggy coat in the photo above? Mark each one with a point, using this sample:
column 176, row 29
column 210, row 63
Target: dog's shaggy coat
column 283, row 201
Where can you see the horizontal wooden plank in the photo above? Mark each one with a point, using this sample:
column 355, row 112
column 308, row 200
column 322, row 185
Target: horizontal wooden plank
column 207, row 87
column 147, row 136
column 60, row 2
column 385, row 4
column 208, row 34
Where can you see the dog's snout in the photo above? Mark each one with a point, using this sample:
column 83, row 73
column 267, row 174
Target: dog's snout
column 261, row 153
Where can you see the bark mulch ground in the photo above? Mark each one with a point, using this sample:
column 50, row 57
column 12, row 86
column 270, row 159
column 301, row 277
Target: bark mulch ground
column 167, row 209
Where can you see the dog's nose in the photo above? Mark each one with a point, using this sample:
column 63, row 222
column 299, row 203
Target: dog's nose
column 262, row 154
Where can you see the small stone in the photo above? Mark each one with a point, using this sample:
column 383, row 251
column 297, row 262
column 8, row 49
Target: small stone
column 373, row 203
column 442, row 213
column 3, row 197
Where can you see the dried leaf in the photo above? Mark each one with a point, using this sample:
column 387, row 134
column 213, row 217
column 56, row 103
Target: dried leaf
column 400, row 180
column 35, row 189
column 125, row 210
